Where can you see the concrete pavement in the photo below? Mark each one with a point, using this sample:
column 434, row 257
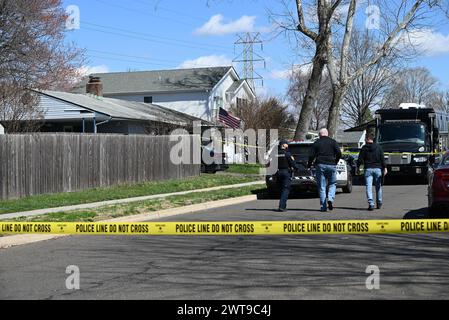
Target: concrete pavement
column 274, row 267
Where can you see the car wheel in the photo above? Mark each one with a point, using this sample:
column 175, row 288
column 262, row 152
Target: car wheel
column 348, row 188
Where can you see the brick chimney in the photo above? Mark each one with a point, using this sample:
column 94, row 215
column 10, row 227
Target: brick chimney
column 95, row 86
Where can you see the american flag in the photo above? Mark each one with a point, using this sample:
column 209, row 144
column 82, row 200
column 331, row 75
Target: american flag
column 228, row 119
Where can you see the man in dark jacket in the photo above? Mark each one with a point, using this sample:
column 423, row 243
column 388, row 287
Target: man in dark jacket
column 326, row 154
column 373, row 159
column 286, row 164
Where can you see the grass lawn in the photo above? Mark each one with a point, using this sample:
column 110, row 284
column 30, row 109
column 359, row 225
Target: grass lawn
column 120, row 192
column 134, row 208
column 253, row 169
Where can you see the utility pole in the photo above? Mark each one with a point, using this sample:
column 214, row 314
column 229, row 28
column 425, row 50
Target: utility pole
column 249, row 56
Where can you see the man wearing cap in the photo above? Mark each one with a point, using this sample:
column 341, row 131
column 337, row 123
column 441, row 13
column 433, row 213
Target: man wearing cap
column 325, row 155
column 286, row 164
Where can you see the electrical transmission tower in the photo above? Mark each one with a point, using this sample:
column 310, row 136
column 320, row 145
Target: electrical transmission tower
column 249, row 57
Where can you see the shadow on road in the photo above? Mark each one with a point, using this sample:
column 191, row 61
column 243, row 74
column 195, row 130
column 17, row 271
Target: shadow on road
column 351, row 209
column 404, row 181
column 289, row 210
column 422, row 213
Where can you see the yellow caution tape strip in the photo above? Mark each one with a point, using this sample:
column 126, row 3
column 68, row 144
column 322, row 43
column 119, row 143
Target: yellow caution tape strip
column 229, row 228
column 401, row 153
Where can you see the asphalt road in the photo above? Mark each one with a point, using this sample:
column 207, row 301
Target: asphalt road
column 273, row 267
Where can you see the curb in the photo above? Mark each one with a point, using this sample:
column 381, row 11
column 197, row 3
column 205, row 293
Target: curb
column 18, row 240
column 119, row 201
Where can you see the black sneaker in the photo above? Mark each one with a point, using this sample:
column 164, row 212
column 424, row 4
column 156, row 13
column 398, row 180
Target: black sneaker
column 323, row 210
column 371, row 208
column 281, row 210
column 379, row 206
column 330, row 205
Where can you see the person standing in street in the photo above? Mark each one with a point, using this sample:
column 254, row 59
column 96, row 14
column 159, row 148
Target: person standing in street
column 373, row 159
column 325, row 155
column 286, row 165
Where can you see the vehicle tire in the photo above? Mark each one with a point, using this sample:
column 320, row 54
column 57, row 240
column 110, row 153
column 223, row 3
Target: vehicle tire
column 273, row 192
column 348, row 188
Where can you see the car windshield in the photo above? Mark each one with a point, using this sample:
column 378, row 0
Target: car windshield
column 402, row 132
column 300, row 152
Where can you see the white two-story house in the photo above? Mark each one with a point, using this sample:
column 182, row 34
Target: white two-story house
column 199, row 92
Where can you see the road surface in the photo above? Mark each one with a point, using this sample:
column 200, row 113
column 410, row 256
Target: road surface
column 256, row 267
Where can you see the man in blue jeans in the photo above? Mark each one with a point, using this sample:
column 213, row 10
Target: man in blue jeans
column 373, row 159
column 325, row 155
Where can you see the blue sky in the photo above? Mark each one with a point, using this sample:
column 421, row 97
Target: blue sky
column 165, row 34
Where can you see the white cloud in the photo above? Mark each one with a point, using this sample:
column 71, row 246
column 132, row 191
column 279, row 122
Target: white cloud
column 429, row 42
column 87, row 70
column 207, row 61
column 287, row 73
column 217, row 26
column 280, row 74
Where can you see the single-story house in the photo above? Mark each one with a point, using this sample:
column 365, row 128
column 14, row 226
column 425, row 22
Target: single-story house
column 87, row 113
column 199, row 92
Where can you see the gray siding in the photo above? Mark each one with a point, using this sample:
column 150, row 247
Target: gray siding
column 55, row 109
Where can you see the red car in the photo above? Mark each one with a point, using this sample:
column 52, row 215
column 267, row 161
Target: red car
column 439, row 188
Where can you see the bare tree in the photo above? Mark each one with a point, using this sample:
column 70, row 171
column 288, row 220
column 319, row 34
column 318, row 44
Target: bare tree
column 33, row 55
column 265, row 113
column 398, row 18
column 296, row 93
column 414, row 85
column 317, row 33
column 365, row 93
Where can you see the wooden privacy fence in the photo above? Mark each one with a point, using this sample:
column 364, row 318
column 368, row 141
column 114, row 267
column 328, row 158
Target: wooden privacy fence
column 33, row 164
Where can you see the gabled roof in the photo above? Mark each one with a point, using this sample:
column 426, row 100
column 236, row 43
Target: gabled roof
column 124, row 110
column 197, row 79
column 235, row 86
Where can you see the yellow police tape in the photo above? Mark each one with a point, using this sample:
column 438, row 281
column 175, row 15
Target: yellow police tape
column 229, row 228
column 347, row 153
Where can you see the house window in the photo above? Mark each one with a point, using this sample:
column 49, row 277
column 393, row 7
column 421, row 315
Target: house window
column 241, row 102
column 148, row 99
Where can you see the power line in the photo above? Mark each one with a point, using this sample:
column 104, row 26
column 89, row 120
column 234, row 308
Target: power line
column 147, row 39
column 130, row 56
column 143, row 13
column 147, row 61
column 157, row 6
column 146, row 35
column 130, row 61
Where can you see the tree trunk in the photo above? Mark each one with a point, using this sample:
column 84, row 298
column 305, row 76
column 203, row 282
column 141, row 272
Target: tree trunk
column 334, row 111
column 313, row 89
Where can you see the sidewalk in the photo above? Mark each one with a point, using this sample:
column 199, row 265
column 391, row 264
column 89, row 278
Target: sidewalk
column 119, row 201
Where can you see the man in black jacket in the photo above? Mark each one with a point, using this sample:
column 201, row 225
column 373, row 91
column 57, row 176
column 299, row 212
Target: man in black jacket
column 373, row 159
column 326, row 154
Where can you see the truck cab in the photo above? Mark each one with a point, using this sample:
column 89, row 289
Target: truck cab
column 409, row 137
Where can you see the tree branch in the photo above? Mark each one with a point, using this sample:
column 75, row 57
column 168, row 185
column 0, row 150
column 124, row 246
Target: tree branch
column 387, row 44
column 302, row 23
